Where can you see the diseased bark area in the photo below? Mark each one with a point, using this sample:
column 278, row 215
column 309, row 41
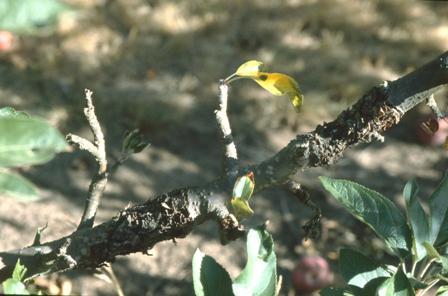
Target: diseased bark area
column 362, row 123
column 139, row 228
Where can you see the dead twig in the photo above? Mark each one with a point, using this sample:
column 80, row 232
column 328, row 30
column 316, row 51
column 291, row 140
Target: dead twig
column 98, row 150
column 312, row 227
column 230, row 152
column 432, row 104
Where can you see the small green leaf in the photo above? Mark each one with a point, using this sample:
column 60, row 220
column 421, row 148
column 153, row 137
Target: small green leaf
column 244, row 187
column 15, row 186
column 259, row 276
column 417, row 220
column 19, row 271
column 438, row 218
column 415, row 283
column 432, row 253
column 14, row 287
column 375, row 210
column 11, row 112
column 133, row 142
column 358, row 270
column 27, row 15
column 371, row 287
column 442, row 291
column 242, row 192
column 210, row 278
column 398, row 285
column 241, row 208
column 28, row 140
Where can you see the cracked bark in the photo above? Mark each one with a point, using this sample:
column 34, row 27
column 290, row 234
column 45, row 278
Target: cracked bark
column 174, row 214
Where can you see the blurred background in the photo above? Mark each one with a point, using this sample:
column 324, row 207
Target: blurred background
column 154, row 65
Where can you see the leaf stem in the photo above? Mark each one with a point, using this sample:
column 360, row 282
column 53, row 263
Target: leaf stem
column 425, row 268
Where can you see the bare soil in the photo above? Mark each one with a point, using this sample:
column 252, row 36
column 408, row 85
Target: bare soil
column 154, row 65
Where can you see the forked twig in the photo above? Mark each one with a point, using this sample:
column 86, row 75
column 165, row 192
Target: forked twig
column 98, row 150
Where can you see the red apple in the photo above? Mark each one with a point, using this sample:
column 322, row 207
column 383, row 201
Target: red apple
column 311, row 273
column 6, row 41
column 432, row 131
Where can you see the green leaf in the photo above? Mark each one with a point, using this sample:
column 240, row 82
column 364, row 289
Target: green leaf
column 371, row 287
column 14, row 287
column 442, row 291
column 15, row 186
column 9, row 111
column 357, row 269
column 242, row 192
column 432, row 253
column 417, row 220
column 19, row 271
column 373, row 209
column 210, row 278
column 259, row 276
column 416, row 283
column 27, row 15
column 438, row 218
column 28, row 140
column 244, row 187
column 398, row 285
column 133, row 142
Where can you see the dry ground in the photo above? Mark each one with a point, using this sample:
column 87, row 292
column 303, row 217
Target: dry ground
column 155, row 65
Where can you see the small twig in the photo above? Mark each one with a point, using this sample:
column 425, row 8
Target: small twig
column 107, row 269
column 116, row 164
column 429, row 287
column 82, row 144
column 432, row 104
column 279, row 285
column 425, row 268
column 312, row 226
column 414, row 266
column 230, row 153
column 98, row 136
column 98, row 150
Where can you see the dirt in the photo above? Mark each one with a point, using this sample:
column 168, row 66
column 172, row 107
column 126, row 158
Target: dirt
column 154, row 65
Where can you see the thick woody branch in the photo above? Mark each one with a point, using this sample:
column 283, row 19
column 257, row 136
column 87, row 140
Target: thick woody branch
column 378, row 110
column 175, row 214
column 230, row 153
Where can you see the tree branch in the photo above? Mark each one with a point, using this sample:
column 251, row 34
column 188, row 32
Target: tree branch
column 175, row 214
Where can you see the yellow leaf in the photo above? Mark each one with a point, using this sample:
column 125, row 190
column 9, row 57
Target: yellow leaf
column 241, row 208
column 250, row 69
column 276, row 83
column 280, row 84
